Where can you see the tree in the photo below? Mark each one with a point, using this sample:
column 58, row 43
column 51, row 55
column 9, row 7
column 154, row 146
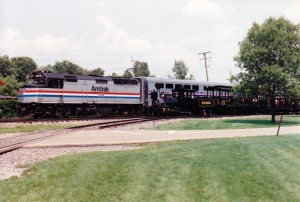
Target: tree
column 269, row 58
column 23, row 67
column 180, row 70
column 68, row 67
column 5, row 66
column 11, row 86
column 20, row 67
column 47, row 68
column 127, row 74
column 114, row 74
column 141, row 69
column 98, row 72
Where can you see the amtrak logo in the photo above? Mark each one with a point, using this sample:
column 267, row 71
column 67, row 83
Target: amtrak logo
column 100, row 89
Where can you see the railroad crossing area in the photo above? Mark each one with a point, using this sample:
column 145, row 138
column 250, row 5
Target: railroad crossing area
column 113, row 137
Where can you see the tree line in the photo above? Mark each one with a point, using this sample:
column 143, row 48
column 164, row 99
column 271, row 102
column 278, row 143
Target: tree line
column 15, row 71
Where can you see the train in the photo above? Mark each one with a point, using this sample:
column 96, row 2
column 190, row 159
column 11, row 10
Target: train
column 48, row 94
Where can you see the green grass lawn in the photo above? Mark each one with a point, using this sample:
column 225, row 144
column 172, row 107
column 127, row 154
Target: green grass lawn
column 232, row 123
column 233, row 169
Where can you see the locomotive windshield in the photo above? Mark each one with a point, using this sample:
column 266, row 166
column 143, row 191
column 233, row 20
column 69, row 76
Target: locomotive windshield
column 37, row 81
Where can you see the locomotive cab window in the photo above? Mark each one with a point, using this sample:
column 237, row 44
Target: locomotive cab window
column 39, row 81
column 55, row 83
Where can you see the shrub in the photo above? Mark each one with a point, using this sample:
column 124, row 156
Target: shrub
column 9, row 108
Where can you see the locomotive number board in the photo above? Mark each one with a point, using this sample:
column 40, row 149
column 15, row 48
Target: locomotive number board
column 206, row 103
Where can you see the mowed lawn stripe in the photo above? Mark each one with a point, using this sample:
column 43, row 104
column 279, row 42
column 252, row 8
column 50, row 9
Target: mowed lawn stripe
column 232, row 169
column 231, row 123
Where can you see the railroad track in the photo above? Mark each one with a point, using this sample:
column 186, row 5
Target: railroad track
column 70, row 119
column 15, row 142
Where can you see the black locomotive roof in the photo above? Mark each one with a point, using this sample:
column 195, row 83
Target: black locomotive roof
column 51, row 75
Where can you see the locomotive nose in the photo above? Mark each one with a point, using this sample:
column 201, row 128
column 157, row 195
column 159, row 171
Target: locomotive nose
column 20, row 95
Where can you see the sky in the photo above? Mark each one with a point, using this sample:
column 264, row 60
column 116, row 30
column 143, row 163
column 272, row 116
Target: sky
column 110, row 34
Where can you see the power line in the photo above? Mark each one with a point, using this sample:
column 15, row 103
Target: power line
column 205, row 62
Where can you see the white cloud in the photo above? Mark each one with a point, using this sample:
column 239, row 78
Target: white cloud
column 203, row 8
column 11, row 41
column 118, row 40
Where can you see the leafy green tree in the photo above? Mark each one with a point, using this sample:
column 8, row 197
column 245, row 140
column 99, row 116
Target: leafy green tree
column 98, row 72
column 269, row 58
column 11, row 86
column 47, row 68
column 23, row 67
column 141, row 69
column 180, row 70
column 114, row 74
column 68, row 67
column 6, row 68
column 127, row 74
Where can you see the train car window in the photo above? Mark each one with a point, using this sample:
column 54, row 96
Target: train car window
column 187, row 86
column 195, row 87
column 101, row 81
column 169, row 85
column 159, row 85
column 133, row 82
column 178, row 86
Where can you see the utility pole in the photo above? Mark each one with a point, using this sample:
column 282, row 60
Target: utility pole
column 205, row 62
column 132, row 65
column 132, row 62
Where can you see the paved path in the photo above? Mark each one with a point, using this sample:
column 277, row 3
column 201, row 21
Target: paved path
column 104, row 137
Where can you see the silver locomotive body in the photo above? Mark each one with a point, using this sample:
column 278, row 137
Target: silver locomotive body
column 66, row 94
